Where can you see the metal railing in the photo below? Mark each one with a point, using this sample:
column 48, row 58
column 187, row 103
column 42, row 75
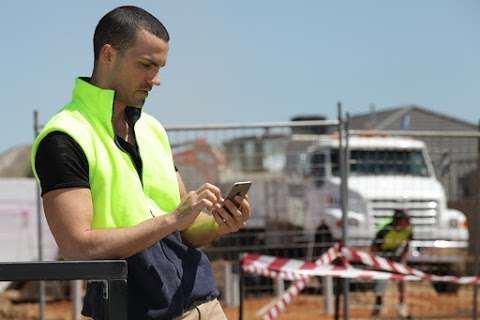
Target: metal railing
column 113, row 272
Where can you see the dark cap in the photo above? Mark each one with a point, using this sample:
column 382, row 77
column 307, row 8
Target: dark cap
column 399, row 214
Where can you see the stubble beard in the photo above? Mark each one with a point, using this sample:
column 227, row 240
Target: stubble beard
column 131, row 101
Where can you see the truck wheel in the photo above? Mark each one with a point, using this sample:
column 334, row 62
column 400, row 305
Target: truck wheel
column 446, row 287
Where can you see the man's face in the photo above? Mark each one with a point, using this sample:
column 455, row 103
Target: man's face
column 134, row 71
column 402, row 224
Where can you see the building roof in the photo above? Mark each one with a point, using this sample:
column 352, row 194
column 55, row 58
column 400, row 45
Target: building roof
column 15, row 162
column 382, row 120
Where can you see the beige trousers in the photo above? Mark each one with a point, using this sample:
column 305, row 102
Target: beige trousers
column 211, row 310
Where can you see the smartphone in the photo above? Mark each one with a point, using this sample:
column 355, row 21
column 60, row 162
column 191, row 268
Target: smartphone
column 238, row 189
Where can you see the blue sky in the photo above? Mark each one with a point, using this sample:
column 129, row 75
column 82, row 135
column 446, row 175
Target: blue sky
column 249, row 61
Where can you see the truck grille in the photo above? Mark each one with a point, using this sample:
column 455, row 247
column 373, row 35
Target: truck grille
column 421, row 212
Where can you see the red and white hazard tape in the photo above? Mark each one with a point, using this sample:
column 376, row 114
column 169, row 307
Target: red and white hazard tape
column 385, row 264
column 292, row 269
column 330, row 255
column 291, row 276
column 280, row 305
column 295, row 289
column 379, row 263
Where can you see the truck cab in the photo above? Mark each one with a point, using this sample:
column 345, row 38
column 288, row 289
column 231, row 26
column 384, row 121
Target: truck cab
column 385, row 173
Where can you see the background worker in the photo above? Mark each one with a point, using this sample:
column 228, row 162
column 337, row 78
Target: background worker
column 392, row 241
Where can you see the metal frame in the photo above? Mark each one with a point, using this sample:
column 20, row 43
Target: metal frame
column 114, row 272
column 344, row 162
column 418, row 133
column 41, row 287
column 266, row 125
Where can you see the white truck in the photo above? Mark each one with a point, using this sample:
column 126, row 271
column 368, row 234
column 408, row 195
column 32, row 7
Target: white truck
column 385, row 173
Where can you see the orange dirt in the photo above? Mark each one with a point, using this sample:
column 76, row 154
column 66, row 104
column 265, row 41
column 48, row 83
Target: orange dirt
column 422, row 301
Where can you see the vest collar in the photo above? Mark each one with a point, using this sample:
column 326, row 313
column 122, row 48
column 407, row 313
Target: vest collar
column 97, row 103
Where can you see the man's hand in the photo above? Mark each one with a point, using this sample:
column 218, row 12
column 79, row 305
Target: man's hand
column 194, row 202
column 235, row 218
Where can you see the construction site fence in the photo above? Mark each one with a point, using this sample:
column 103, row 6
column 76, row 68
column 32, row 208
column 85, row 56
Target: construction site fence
column 302, row 169
column 296, row 170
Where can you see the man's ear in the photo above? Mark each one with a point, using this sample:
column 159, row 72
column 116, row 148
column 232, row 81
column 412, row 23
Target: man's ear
column 107, row 54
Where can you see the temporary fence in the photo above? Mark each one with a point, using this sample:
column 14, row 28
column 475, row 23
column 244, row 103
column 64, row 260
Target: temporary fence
column 296, row 172
column 301, row 271
column 316, row 182
column 249, row 262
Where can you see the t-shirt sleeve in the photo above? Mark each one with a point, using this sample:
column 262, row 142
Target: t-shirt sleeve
column 61, row 163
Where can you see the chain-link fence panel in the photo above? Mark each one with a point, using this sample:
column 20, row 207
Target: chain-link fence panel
column 419, row 189
column 296, row 204
column 274, row 160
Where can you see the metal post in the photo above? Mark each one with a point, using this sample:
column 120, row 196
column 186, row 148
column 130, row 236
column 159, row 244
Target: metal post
column 328, row 293
column 242, row 289
column 76, row 298
column 346, row 172
column 337, row 290
column 231, row 284
column 343, row 162
column 228, row 286
column 116, row 300
column 41, row 290
column 476, row 238
column 279, row 286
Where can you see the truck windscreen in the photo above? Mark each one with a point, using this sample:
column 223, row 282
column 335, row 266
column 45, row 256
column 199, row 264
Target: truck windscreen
column 383, row 162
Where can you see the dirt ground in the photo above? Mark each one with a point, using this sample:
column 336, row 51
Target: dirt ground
column 422, row 300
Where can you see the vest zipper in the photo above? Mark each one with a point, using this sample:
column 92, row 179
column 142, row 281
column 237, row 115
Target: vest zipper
column 139, row 156
column 131, row 159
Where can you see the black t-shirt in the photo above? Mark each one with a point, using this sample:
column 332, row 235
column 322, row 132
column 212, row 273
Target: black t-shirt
column 61, row 163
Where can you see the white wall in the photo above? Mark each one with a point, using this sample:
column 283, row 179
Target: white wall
column 18, row 223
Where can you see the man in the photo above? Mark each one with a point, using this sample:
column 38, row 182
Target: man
column 110, row 189
column 392, row 241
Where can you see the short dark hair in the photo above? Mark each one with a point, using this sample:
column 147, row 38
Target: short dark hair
column 399, row 214
column 119, row 28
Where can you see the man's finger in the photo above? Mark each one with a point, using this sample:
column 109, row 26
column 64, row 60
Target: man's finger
column 207, row 194
column 203, row 204
column 217, row 217
column 212, row 188
column 244, row 207
column 227, row 219
column 235, row 213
